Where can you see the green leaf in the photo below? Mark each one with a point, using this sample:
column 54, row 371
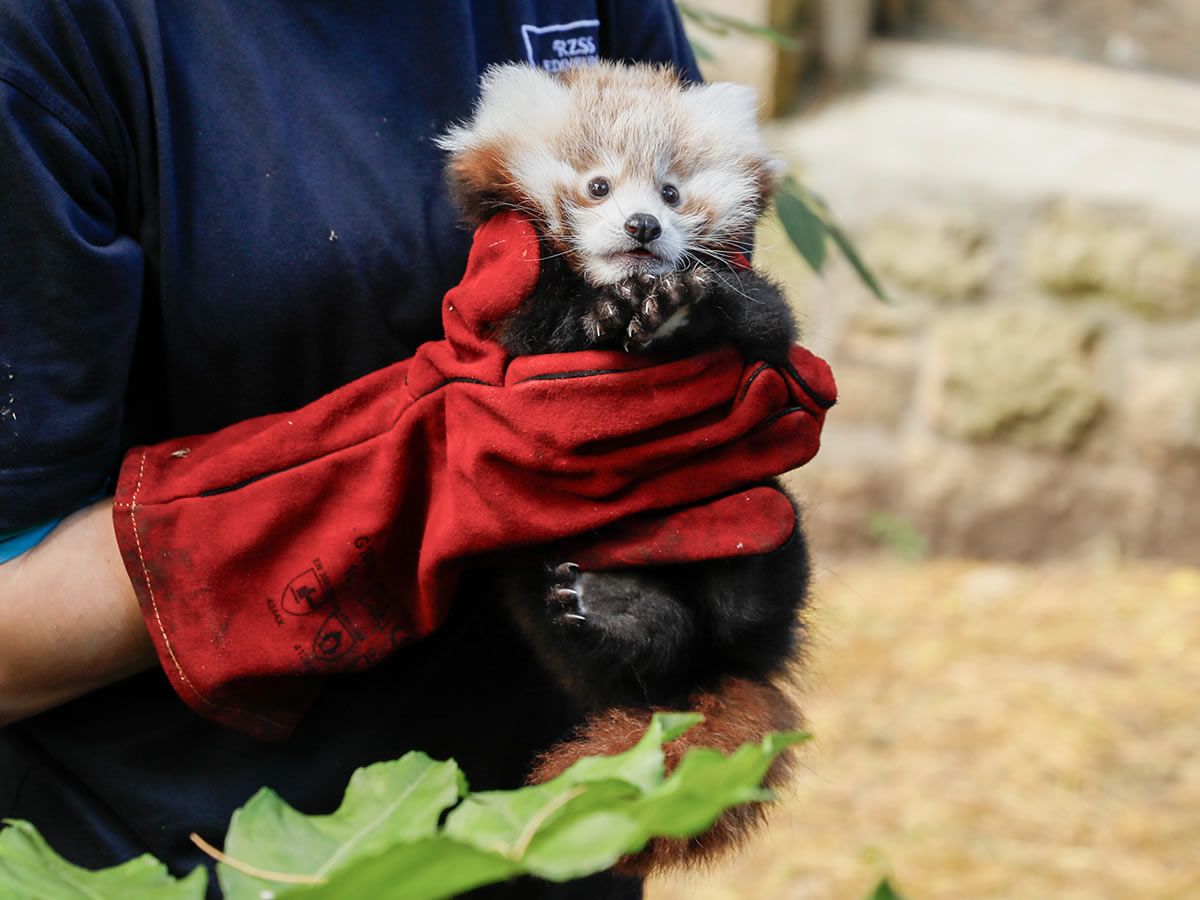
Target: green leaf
column 885, row 891
column 385, row 804
column 602, row 809
column 718, row 23
column 579, row 823
column 701, row 19
column 851, row 254
column 29, row 867
column 808, row 222
column 641, row 766
column 427, row 869
column 899, row 535
column 707, row 782
column 384, row 841
column 555, row 830
column 702, row 51
column 804, row 228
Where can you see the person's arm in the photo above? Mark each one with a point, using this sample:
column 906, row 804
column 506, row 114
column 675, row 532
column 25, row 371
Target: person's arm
column 69, row 617
column 71, row 281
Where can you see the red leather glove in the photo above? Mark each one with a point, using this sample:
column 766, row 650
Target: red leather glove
column 318, row 541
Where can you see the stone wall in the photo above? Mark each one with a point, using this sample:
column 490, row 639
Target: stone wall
column 1154, row 34
column 1033, row 389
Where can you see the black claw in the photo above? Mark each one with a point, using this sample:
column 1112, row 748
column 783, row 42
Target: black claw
column 567, row 570
column 573, row 618
column 565, row 596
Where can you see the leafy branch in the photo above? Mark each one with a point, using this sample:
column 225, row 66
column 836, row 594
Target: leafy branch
column 809, row 225
column 411, row 829
column 806, row 219
column 721, row 25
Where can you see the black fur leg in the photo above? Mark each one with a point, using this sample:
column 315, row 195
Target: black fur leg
column 680, row 312
column 703, row 306
column 619, row 636
column 565, row 313
column 652, row 636
column 752, row 311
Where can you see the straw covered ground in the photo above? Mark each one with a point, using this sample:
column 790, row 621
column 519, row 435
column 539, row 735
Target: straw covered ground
column 988, row 730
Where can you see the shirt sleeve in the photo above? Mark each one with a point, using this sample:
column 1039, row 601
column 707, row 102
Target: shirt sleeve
column 13, row 545
column 647, row 31
column 70, row 298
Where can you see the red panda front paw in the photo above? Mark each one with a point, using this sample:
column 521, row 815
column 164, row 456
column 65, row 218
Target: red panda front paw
column 609, row 316
column 565, row 596
column 662, row 308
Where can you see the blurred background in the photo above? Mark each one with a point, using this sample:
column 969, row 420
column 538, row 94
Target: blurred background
column 1005, row 679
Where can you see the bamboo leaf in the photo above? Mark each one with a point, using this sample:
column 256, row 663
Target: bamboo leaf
column 885, row 891
column 813, row 207
column 851, row 253
column 701, row 50
column 804, row 228
column 721, row 24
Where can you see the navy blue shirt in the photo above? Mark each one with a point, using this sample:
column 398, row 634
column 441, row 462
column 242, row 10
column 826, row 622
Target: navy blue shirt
column 210, row 211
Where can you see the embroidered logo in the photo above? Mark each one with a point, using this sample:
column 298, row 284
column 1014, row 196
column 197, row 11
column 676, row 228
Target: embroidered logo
column 558, row 47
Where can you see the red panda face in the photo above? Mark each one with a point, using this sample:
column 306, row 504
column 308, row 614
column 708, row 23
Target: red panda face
column 623, row 169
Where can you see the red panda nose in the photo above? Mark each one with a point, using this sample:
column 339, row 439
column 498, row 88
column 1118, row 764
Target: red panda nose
column 643, row 227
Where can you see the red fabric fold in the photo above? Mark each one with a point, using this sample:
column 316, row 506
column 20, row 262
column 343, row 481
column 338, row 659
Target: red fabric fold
column 302, row 544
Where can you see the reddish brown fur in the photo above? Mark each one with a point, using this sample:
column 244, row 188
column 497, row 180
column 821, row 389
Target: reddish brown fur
column 480, row 180
column 765, row 180
column 738, row 711
column 699, row 207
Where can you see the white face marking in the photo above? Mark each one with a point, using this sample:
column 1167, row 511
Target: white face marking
column 632, row 124
column 608, row 252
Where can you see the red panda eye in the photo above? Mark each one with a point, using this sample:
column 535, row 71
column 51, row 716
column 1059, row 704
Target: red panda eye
column 670, row 194
column 598, row 187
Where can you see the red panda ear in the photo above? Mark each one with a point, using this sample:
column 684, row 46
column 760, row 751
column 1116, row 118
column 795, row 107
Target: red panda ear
column 517, row 97
column 728, row 113
column 768, row 171
column 479, row 180
column 519, row 108
column 725, row 106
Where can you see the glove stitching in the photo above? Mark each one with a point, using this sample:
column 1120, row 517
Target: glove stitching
column 582, row 373
column 750, row 381
column 462, row 379
column 775, row 417
column 158, row 619
column 819, row 399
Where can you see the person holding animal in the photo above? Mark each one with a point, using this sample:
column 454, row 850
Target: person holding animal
column 216, row 216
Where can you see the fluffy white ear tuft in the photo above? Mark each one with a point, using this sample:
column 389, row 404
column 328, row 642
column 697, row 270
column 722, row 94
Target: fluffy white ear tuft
column 515, row 84
column 516, row 100
column 733, row 106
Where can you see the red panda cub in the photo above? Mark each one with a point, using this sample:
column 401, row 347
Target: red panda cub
column 645, row 192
